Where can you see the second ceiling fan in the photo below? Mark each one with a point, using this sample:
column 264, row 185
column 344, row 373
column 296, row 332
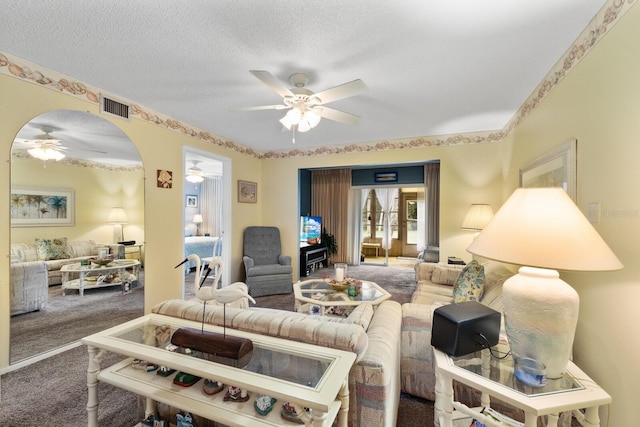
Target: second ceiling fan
column 307, row 108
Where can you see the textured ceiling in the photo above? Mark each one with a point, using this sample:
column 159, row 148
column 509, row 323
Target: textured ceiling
column 432, row 67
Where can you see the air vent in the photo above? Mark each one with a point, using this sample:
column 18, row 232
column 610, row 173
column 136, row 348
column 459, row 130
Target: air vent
column 114, row 108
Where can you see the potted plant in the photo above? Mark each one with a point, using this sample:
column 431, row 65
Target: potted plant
column 329, row 240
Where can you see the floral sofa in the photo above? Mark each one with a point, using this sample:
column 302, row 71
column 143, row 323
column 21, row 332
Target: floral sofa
column 373, row 335
column 60, row 251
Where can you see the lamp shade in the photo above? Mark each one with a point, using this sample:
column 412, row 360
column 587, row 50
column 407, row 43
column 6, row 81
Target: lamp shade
column 477, row 217
column 542, row 227
column 118, row 216
column 197, row 219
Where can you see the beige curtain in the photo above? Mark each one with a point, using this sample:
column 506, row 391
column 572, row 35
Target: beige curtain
column 329, row 200
column 432, row 190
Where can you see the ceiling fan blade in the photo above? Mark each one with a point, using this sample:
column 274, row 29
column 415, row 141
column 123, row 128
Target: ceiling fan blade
column 337, row 115
column 262, row 107
column 275, row 85
column 345, row 90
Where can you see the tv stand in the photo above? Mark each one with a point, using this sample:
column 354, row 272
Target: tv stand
column 312, row 257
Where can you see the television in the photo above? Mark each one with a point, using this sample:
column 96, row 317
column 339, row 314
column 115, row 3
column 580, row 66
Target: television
column 310, row 230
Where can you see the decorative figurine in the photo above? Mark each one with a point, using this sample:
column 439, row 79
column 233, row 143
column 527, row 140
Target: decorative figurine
column 264, row 404
column 235, row 394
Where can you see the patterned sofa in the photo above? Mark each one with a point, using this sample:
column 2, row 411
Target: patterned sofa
column 374, row 380
column 57, row 252
column 435, row 288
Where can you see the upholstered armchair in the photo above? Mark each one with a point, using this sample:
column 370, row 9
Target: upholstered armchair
column 268, row 272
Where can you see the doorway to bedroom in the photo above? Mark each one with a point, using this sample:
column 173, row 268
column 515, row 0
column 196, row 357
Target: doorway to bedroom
column 207, row 190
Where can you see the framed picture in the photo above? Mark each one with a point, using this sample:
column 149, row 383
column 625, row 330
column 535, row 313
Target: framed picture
column 247, row 192
column 383, row 177
column 555, row 169
column 42, row 207
column 192, row 201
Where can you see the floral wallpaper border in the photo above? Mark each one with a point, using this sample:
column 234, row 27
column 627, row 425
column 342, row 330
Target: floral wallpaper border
column 604, row 20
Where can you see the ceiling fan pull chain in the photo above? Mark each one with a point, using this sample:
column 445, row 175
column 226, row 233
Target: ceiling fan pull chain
column 293, row 129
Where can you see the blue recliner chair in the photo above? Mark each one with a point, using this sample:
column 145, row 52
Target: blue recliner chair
column 268, row 272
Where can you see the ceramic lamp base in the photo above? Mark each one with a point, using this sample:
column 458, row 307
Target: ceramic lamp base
column 541, row 314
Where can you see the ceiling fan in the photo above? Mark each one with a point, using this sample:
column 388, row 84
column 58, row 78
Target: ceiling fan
column 47, row 147
column 307, row 108
column 195, row 174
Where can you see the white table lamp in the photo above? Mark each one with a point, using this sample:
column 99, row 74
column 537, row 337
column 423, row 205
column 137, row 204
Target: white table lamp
column 477, row 217
column 118, row 217
column 197, row 220
column 543, row 229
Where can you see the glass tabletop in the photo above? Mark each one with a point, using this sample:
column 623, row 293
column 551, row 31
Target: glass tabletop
column 321, row 290
column 302, row 369
column 501, row 371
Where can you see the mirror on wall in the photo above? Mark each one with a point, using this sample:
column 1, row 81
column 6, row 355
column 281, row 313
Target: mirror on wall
column 204, row 219
column 77, row 188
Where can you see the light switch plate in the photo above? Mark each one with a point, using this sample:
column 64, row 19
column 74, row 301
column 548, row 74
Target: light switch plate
column 593, row 212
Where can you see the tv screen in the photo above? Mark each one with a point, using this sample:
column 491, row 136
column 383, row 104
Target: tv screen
column 310, row 230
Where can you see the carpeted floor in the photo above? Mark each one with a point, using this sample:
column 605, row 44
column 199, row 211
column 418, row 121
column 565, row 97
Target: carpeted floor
column 53, row 392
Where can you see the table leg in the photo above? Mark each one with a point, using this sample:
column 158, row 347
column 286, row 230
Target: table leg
column 591, row 417
column 530, row 420
column 95, row 357
column 65, row 279
column 343, row 414
column 151, row 407
column 81, row 283
column 443, row 406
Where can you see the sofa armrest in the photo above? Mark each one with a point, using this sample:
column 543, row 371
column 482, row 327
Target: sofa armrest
column 374, row 380
column 284, row 259
column 29, row 286
column 424, row 269
column 416, row 364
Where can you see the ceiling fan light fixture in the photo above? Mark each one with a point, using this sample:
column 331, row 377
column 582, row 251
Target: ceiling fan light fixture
column 46, row 153
column 195, row 175
column 312, row 117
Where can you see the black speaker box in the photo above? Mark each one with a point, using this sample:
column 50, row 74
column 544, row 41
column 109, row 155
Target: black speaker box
column 464, row 328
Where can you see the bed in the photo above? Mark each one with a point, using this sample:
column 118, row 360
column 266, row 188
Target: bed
column 198, row 245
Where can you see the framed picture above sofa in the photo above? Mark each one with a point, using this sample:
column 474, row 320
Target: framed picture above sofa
column 556, row 168
column 45, row 207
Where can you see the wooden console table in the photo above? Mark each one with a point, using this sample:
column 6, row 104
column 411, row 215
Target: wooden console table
column 305, row 375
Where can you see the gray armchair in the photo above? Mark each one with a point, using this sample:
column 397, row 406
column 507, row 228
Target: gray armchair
column 268, row 272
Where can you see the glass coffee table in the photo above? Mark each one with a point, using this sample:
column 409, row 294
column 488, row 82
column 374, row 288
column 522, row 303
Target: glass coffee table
column 316, row 296
column 304, row 375
column 494, row 378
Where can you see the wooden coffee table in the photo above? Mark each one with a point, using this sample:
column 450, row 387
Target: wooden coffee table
column 317, row 297
column 89, row 275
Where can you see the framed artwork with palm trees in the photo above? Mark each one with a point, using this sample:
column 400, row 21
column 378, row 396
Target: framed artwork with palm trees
column 46, row 207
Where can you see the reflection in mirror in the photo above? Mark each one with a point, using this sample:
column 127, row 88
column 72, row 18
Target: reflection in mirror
column 204, row 223
column 69, row 170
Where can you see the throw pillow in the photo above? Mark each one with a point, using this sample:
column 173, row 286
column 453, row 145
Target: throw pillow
column 469, row 285
column 49, row 249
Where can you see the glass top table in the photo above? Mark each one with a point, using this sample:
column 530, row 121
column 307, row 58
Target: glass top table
column 316, row 296
column 305, row 375
column 494, row 378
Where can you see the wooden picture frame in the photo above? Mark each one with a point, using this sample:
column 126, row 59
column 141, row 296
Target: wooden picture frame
column 191, row 201
column 557, row 168
column 42, row 207
column 247, row 192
